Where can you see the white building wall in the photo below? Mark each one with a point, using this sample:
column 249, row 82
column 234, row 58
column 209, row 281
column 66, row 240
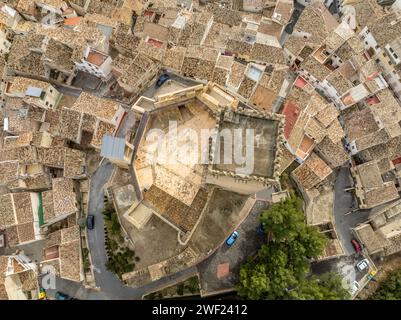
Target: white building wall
column 90, row 68
column 4, row 43
column 369, row 41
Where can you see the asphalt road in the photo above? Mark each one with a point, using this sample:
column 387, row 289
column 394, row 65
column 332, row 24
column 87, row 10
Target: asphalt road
column 107, row 282
column 246, row 245
column 344, row 203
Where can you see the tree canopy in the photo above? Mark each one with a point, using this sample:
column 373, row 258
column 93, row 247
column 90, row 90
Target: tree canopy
column 281, row 268
column 389, row 289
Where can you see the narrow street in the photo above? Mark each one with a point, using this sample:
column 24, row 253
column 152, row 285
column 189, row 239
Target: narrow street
column 344, row 203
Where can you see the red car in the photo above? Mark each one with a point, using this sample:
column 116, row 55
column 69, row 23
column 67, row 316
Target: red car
column 356, row 245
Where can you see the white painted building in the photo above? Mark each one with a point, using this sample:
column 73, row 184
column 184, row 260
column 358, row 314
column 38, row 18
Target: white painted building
column 95, row 63
column 4, row 43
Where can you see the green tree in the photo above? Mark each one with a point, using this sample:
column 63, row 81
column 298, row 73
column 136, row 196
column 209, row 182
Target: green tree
column 325, row 287
column 281, row 267
column 390, row 288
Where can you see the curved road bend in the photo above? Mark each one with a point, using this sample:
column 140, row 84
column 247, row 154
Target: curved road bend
column 109, row 284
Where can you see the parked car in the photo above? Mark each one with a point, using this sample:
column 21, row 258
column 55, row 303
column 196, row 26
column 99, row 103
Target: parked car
column 363, row 265
column 356, row 245
column 62, row 296
column 162, row 79
column 90, row 222
column 230, row 241
column 354, row 287
column 371, row 275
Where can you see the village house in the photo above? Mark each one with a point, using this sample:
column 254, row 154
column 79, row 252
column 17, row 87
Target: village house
column 370, row 188
column 62, row 251
column 381, row 235
column 34, row 92
column 18, row 277
column 20, row 218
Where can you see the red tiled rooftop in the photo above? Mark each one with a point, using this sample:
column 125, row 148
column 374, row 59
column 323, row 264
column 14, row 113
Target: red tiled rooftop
column 51, row 253
column 72, row 21
column 300, row 82
column 155, row 42
column 291, row 112
column 396, row 161
column 348, row 100
column 306, row 144
column 223, row 270
column 372, row 76
column 96, row 58
column 373, row 100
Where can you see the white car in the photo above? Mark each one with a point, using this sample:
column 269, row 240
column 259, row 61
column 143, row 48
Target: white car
column 363, row 265
column 354, row 287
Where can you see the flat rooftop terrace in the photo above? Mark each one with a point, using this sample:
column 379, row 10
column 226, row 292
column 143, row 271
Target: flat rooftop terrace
column 263, row 133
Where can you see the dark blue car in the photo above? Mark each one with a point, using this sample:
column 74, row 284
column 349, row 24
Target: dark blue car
column 163, row 78
column 90, row 222
column 62, row 296
column 230, row 241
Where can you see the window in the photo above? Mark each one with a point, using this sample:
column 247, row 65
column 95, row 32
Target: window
column 51, row 90
column 47, row 103
column 395, row 56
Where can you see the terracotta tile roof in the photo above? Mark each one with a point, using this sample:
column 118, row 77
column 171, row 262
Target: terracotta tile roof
column 26, row 232
column 7, row 217
column 70, row 234
column 64, row 197
column 12, row 236
column 102, row 129
column 291, row 112
column 333, row 153
column 101, row 108
column 267, row 54
column 23, row 207
column 48, row 206
column 21, row 85
column 70, row 264
column 182, row 216
column 53, row 157
column 74, row 163
column 312, row 172
column 237, row 74
column 8, row 171
column 174, row 57
column 70, row 124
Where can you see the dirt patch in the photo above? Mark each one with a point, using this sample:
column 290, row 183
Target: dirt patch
column 155, row 242
column 222, row 215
